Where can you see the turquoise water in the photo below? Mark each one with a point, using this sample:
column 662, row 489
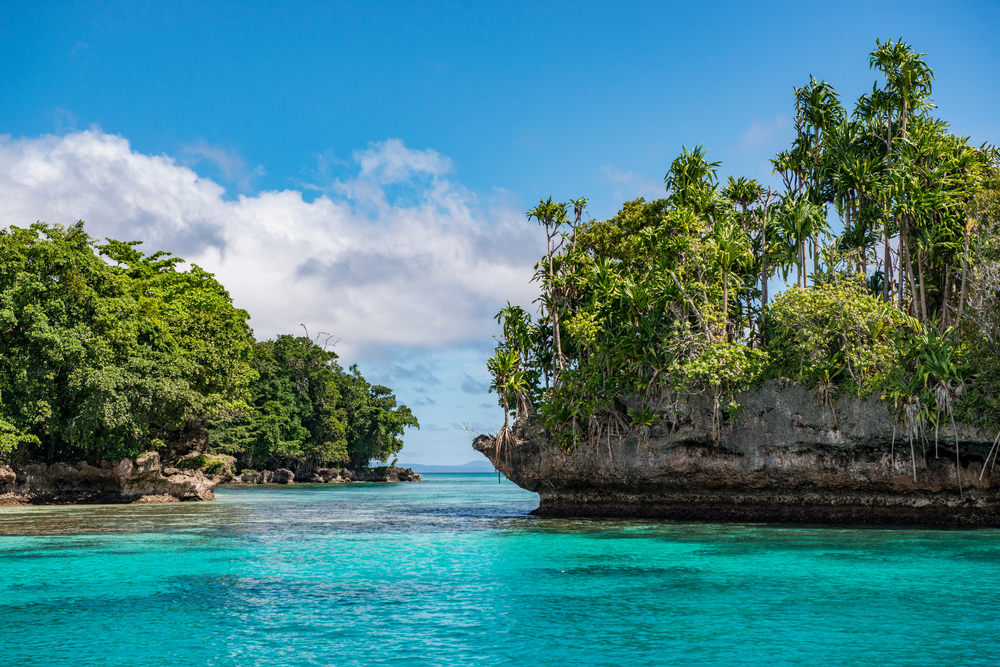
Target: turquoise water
column 452, row 571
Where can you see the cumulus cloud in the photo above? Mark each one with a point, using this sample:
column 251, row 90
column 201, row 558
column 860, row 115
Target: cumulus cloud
column 392, row 162
column 420, row 272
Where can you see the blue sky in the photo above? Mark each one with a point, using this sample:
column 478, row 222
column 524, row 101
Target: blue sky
column 363, row 168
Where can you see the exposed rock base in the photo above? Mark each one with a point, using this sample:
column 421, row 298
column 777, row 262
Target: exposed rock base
column 786, row 457
column 140, row 480
column 325, row 476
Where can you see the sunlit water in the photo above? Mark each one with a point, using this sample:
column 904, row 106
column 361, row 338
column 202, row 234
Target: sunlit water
column 452, row 571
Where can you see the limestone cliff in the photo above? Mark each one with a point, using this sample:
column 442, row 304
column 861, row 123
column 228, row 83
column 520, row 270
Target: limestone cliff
column 141, row 480
column 786, row 456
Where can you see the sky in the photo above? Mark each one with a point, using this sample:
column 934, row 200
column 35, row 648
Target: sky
column 363, row 169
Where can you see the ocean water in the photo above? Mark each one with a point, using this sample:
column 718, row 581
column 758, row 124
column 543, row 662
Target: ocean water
column 453, row 571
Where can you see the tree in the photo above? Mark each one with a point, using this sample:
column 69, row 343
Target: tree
column 306, row 410
column 100, row 361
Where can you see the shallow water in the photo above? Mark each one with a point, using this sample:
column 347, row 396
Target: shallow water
column 452, row 571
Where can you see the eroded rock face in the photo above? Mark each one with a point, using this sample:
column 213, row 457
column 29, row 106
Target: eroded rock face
column 786, row 457
column 386, row 474
column 283, row 476
column 143, row 479
column 309, row 475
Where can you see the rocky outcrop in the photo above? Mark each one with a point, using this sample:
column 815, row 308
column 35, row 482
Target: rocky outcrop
column 386, row 474
column 141, row 480
column 310, row 475
column 787, row 456
column 283, row 476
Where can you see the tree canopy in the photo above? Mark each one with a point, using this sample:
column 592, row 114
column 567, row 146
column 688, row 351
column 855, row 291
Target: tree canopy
column 670, row 297
column 106, row 352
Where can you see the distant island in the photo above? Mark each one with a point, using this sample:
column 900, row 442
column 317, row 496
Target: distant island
column 662, row 379
column 123, row 377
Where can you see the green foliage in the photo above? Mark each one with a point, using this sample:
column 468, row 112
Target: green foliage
column 724, row 369
column 670, row 297
column 836, row 330
column 645, row 416
column 305, row 407
column 193, row 462
column 106, row 352
column 101, row 360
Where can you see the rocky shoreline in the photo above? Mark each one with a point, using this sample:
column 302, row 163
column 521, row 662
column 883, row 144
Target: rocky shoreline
column 787, row 456
column 146, row 479
column 324, row 476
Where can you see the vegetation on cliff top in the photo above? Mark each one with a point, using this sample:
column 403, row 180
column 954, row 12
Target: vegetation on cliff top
column 671, row 296
column 106, row 352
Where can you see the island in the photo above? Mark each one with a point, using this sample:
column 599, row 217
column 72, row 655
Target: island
column 124, row 378
column 664, row 378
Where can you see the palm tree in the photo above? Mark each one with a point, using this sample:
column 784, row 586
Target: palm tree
column 552, row 215
column 801, row 223
column 691, row 181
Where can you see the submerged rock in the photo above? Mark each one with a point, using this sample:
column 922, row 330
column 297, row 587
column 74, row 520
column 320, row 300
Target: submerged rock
column 787, row 456
column 143, row 479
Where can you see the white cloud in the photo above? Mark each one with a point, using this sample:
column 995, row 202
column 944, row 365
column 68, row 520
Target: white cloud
column 426, row 274
column 762, row 134
column 392, row 162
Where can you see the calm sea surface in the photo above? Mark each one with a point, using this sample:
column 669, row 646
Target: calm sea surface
column 452, row 571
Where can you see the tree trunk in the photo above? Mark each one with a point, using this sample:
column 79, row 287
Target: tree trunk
column 888, row 261
column 558, row 361
column 963, row 291
column 798, row 266
column 946, row 298
column 803, row 277
column 763, row 298
column 815, row 257
column 909, row 276
column 923, row 292
column 725, row 301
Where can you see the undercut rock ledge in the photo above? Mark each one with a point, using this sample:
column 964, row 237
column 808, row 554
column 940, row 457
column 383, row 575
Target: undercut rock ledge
column 785, row 457
column 140, row 480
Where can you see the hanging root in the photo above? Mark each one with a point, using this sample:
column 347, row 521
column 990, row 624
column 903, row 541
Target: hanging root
column 987, row 461
column 892, row 447
column 958, row 465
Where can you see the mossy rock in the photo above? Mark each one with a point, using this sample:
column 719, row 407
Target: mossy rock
column 214, row 468
column 193, row 462
column 210, row 465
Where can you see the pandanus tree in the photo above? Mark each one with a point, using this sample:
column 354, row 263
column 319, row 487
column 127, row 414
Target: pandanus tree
column 801, row 224
column 554, row 217
column 886, row 114
column 691, row 182
column 752, row 205
column 731, row 249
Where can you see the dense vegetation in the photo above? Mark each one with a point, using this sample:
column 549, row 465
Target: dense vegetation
column 670, row 297
column 106, row 352
column 306, row 408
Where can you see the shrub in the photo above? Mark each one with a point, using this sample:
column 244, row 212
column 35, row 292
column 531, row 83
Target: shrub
column 836, row 333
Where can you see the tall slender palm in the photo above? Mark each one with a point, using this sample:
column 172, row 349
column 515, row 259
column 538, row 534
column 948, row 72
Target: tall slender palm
column 801, row 222
column 732, row 248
